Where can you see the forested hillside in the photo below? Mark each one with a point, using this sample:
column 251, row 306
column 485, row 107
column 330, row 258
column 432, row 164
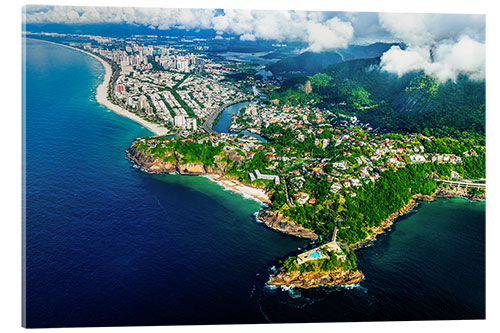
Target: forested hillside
column 414, row 102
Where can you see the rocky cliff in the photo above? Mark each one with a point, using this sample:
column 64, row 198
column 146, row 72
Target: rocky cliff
column 275, row 220
column 308, row 280
column 153, row 164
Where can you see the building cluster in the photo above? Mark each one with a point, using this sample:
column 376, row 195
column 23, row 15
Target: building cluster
column 175, row 94
column 258, row 175
column 357, row 156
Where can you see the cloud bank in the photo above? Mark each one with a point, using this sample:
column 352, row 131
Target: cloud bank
column 320, row 30
column 441, row 45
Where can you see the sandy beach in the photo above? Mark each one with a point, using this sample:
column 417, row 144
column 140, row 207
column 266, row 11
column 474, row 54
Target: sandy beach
column 102, row 95
column 247, row 191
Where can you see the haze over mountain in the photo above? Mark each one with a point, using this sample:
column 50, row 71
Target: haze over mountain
column 312, row 62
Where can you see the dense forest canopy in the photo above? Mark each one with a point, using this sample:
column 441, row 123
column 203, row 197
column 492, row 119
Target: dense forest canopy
column 412, row 103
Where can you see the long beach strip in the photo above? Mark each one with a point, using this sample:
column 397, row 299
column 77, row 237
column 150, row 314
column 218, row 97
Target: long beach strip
column 102, row 98
column 102, row 95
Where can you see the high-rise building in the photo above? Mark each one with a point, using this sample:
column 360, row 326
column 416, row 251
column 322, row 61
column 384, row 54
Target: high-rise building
column 144, row 104
column 179, row 121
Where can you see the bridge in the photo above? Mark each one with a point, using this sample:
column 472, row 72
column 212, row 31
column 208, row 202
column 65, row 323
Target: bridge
column 464, row 183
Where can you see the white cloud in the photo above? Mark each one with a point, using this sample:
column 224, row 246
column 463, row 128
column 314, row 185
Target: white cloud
column 400, row 62
column 332, row 34
column 456, row 43
column 249, row 37
column 466, row 56
column 319, row 29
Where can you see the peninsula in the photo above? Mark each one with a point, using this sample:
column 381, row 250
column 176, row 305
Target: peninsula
column 303, row 200
column 328, row 170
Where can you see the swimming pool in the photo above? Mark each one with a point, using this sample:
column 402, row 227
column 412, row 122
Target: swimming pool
column 315, row 254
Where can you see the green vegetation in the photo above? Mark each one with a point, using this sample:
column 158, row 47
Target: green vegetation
column 197, row 153
column 413, row 103
column 189, row 151
column 176, row 86
column 424, row 83
column 196, row 100
column 305, row 63
column 447, row 145
column 292, row 93
column 156, row 66
column 322, row 265
column 373, row 202
column 172, row 112
column 183, row 104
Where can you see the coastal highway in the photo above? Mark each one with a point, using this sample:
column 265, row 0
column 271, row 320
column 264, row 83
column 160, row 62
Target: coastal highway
column 207, row 125
column 465, row 184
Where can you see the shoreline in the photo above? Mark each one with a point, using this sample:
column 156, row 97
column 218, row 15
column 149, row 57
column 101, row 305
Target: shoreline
column 156, row 166
column 240, row 188
column 440, row 193
column 102, row 94
column 309, row 280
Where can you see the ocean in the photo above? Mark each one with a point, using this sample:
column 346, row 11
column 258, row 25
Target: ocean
column 109, row 245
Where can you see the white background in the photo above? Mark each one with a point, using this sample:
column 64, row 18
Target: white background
column 10, row 152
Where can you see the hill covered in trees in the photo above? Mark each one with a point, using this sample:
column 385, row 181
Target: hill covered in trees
column 414, row 102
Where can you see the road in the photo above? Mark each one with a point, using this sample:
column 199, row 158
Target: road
column 208, row 124
column 465, row 184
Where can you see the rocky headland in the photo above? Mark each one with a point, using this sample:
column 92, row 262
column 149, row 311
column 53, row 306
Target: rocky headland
column 216, row 173
column 386, row 223
column 275, row 220
column 308, row 280
column 153, row 164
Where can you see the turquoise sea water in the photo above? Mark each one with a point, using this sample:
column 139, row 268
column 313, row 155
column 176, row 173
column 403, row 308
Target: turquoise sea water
column 109, row 245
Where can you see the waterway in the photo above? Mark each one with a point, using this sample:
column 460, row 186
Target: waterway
column 224, row 122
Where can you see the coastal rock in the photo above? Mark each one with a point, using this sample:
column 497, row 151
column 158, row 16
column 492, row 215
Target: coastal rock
column 150, row 163
column 423, row 197
column 307, row 280
column 275, row 220
column 234, row 156
column 191, row 169
column 441, row 192
column 153, row 164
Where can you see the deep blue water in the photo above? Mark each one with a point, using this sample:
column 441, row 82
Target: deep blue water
column 108, row 245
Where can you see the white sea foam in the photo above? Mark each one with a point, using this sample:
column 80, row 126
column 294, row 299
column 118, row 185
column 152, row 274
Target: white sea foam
column 350, row 286
column 272, row 287
column 287, row 288
column 256, row 216
column 228, row 188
